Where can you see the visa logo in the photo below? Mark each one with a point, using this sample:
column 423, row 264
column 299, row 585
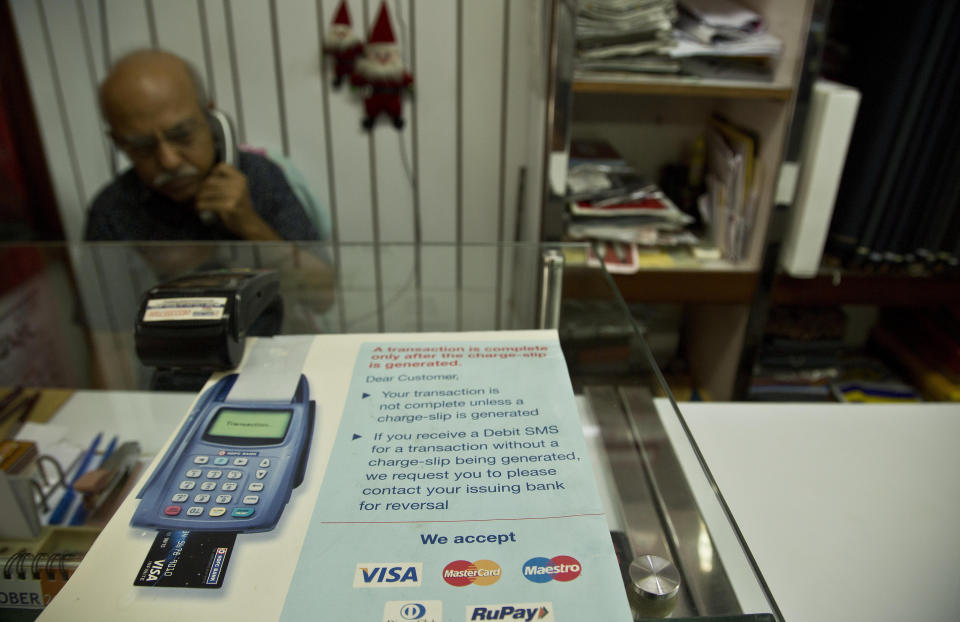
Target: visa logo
column 388, row 574
column 154, row 571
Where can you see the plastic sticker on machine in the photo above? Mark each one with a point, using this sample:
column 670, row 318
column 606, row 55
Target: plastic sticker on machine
column 171, row 309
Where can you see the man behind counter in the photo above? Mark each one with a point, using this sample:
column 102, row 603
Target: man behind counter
column 155, row 107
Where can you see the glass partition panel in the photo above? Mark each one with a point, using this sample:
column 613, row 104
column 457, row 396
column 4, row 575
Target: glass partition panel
column 68, row 311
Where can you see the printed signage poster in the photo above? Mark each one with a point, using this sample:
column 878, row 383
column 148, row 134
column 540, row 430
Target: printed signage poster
column 402, row 478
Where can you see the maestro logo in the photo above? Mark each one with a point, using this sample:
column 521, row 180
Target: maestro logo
column 388, row 574
column 559, row 568
column 480, row 572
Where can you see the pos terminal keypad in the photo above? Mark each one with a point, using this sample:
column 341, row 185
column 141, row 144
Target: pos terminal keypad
column 232, row 466
column 227, row 503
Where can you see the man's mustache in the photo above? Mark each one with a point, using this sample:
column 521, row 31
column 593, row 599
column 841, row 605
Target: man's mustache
column 164, row 177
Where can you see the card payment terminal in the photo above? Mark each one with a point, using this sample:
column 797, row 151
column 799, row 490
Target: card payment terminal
column 232, row 466
column 200, row 321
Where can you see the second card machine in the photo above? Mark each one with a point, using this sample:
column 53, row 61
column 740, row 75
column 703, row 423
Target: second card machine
column 232, row 466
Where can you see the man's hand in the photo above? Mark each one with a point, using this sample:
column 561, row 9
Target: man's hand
column 225, row 193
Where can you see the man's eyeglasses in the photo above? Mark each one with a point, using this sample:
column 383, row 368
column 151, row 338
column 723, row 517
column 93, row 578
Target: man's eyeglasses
column 180, row 136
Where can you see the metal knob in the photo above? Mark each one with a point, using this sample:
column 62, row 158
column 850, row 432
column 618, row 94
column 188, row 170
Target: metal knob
column 654, row 586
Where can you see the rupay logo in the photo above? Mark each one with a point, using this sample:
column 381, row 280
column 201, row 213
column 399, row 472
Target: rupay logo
column 543, row 570
column 542, row 612
column 388, row 574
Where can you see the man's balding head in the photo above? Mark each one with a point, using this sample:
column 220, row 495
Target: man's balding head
column 146, row 73
column 154, row 103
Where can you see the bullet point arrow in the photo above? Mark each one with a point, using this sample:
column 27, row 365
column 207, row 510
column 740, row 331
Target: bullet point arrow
column 365, row 396
column 356, row 436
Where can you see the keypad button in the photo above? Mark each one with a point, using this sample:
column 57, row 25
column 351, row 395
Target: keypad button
column 195, row 511
column 229, row 486
column 255, row 486
column 251, row 499
column 239, row 462
column 265, row 463
column 215, row 474
column 180, row 497
column 201, row 459
column 187, row 485
column 171, row 510
column 194, row 473
column 217, row 511
column 221, row 461
column 261, row 473
column 208, row 486
column 224, row 498
column 242, row 512
column 201, row 498
column 234, row 474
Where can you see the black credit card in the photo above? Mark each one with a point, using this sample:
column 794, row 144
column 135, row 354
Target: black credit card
column 187, row 559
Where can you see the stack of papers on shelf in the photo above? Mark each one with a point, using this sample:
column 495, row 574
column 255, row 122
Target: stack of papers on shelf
column 609, row 202
column 718, row 20
column 626, row 35
column 723, row 40
column 734, row 176
column 803, row 357
column 716, row 39
column 597, row 172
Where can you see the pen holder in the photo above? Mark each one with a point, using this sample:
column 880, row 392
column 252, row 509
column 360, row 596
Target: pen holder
column 25, row 498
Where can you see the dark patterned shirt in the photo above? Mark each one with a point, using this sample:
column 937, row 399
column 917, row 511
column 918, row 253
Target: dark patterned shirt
column 127, row 209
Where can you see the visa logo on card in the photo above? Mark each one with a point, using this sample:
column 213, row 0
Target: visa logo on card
column 154, row 570
column 388, row 574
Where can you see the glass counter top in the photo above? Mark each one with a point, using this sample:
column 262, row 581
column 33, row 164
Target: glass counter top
column 67, row 316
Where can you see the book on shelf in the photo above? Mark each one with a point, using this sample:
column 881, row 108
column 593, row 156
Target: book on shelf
column 733, row 182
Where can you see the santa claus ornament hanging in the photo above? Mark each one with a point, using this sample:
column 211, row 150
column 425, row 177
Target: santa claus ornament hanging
column 342, row 45
column 380, row 72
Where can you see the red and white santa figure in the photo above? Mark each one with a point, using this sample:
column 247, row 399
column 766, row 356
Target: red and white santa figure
column 381, row 71
column 342, row 44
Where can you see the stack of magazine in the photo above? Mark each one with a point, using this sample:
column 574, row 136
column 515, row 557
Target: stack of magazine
column 611, row 204
column 804, row 358
column 717, row 39
column 626, row 35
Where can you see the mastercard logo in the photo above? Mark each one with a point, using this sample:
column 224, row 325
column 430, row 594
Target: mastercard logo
column 544, row 570
column 480, row 572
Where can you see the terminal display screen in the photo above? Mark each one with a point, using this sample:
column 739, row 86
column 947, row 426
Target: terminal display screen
column 237, row 426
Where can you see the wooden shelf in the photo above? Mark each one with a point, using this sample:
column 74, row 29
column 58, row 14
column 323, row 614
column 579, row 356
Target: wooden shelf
column 867, row 288
column 666, row 286
column 696, row 87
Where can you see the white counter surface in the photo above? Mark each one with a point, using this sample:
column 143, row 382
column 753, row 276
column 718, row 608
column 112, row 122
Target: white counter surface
column 851, row 511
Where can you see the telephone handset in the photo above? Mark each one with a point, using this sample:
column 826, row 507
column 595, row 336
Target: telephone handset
column 225, row 145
